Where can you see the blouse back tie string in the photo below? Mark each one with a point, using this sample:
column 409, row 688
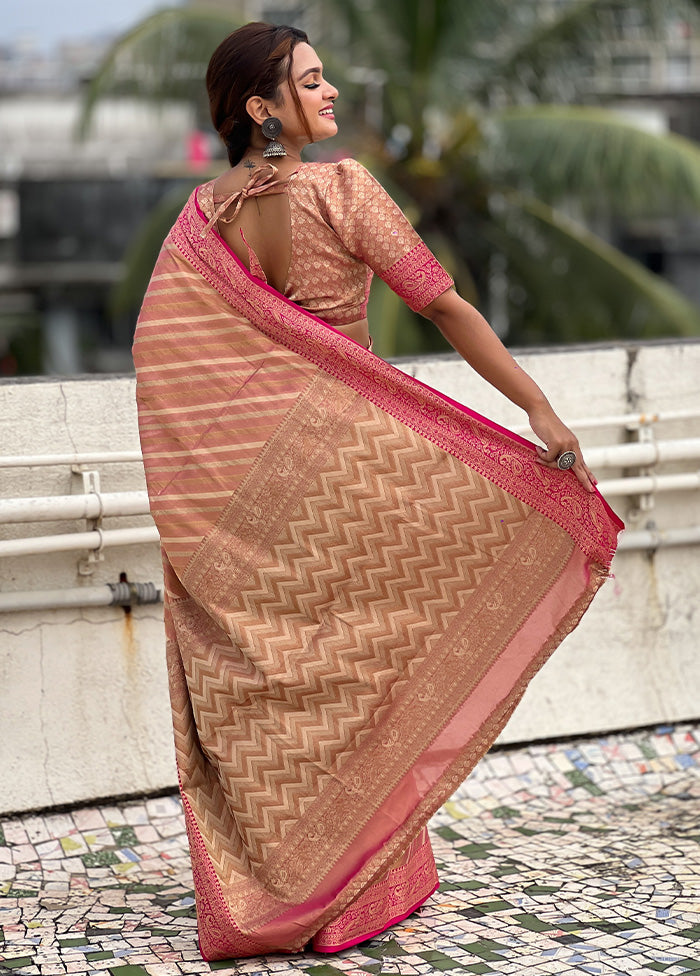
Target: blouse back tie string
column 261, row 181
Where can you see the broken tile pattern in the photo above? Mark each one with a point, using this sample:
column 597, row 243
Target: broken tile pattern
column 566, row 859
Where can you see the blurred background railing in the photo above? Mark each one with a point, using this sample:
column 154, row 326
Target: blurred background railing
column 85, row 711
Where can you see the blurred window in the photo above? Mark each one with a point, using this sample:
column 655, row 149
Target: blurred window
column 631, row 68
column 630, row 23
column 9, row 213
column 678, row 71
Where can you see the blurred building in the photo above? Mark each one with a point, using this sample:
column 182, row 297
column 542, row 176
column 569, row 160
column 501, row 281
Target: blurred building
column 652, row 72
column 70, row 207
column 643, row 61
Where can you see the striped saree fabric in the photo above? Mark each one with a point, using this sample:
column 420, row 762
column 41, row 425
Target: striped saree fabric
column 362, row 576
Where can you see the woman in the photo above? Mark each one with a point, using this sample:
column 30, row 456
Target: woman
column 361, row 575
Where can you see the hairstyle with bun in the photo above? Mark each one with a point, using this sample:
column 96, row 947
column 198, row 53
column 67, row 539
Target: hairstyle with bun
column 253, row 60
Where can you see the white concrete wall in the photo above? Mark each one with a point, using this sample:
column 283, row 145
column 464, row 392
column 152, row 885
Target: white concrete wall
column 84, row 709
column 84, row 692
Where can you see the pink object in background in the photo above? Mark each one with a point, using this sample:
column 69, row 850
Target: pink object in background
column 198, row 153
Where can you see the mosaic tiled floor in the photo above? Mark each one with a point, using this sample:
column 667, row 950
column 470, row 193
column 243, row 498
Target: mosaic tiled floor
column 582, row 858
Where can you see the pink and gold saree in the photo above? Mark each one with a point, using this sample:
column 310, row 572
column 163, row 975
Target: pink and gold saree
column 362, row 576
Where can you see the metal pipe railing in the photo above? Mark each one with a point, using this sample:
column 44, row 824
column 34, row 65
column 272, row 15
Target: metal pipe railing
column 68, row 542
column 643, row 453
column 649, row 484
column 95, row 505
column 114, row 504
column 46, row 460
column 629, row 540
column 653, row 539
column 614, row 455
column 630, row 421
column 88, row 506
column 122, row 594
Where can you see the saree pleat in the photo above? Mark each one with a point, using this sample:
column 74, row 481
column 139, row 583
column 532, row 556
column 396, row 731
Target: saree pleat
column 361, row 579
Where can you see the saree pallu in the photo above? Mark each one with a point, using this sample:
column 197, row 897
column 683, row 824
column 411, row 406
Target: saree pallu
column 362, row 576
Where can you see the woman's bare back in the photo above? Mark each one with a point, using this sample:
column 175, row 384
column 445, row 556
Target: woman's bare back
column 262, row 226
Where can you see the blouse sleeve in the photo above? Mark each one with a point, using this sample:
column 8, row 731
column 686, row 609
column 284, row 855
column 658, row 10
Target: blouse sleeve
column 374, row 229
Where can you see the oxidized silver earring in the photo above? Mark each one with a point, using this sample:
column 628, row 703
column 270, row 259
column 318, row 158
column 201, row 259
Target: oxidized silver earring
column 271, row 128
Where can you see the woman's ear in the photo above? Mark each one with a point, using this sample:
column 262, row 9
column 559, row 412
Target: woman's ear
column 257, row 109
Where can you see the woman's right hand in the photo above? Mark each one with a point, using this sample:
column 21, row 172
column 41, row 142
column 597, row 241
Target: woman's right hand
column 558, row 438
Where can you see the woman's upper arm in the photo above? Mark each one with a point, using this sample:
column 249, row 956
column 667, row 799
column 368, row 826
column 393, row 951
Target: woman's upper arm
column 373, row 228
column 447, row 304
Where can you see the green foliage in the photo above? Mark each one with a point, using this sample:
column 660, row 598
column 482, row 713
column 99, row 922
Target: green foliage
column 163, row 57
column 593, row 153
column 487, row 178
column 142, row 253
column 559, row 259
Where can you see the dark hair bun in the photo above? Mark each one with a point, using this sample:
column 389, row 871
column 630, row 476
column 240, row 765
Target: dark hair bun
column 253, row 60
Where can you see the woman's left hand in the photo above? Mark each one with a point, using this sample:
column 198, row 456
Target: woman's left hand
column 558, row 438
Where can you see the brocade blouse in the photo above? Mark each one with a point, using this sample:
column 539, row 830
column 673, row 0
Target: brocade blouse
column 345, row 228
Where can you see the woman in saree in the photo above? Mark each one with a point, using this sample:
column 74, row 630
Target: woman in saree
column 361, row 575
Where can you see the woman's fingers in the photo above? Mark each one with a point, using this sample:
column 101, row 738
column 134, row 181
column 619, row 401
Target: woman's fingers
column 548, row 457
column 548, row 454
column 559, row 440
column 584, row 475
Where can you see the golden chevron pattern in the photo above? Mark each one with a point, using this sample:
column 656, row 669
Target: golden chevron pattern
column 369, row 566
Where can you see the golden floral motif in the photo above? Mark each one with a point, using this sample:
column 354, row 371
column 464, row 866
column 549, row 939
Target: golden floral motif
column 222, row 561
column 316, row 831
column 278, row 880
column 391, row 739
column 573, row 504
column 529, row 557
column 254, row 514
column 461, row 647
column 355, row 786
column 286, row 466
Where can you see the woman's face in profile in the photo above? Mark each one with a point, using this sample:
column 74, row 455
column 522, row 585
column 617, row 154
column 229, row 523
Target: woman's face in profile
column 316, row 96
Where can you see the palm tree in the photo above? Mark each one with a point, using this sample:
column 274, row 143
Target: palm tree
column 502, row 185
column 495, row 173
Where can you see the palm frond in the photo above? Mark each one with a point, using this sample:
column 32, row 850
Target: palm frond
column 369, row 40
column 596, row 155
column 164, row 56
column 416, row 44
column 573, row 286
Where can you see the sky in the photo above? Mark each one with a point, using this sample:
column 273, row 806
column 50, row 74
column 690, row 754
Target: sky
column 48, row 22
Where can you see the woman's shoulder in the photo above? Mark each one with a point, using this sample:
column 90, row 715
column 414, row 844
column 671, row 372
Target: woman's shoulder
column 338, row 187
column 327, row 173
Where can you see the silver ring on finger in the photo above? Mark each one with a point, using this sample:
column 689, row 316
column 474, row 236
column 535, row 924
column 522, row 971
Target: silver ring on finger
column 566, row 460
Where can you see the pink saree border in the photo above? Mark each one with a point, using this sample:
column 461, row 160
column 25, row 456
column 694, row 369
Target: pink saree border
column 370, row 935
column 403, row 889
column 452, row 426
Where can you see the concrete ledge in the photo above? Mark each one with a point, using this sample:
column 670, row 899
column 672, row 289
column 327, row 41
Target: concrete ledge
column 85, row 705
